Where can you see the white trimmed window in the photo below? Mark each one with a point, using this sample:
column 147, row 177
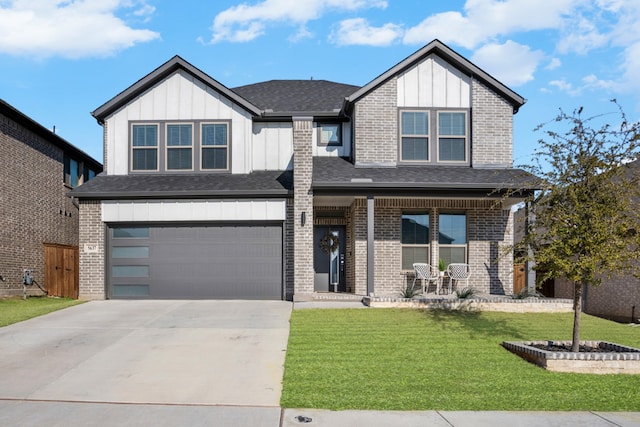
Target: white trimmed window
column 414, row 136
column 144, row 147
column 452, row 237
column 452, row 136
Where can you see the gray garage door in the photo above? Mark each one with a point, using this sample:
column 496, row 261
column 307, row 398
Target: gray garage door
column 195, row 262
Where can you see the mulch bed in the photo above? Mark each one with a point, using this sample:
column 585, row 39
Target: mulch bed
column 567, row 348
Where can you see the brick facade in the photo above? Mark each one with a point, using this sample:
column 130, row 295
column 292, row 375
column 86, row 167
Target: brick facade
column 491, row 128
column 34, row 207
column 92, row 262
column 489, row 234
column 376, row 126
column 303, row 204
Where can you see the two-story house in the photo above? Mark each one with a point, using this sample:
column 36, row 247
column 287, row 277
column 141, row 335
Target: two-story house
column 38, row 221
column 284, row 189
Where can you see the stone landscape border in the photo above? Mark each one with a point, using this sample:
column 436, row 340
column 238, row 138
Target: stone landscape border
column 480, row 303
column 619, row 359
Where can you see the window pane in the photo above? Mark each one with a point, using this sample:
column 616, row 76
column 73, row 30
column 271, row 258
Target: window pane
column 145, row 136
column 415, row 148
column 214, row 134
column 73, row 173
column 145, row 159
column 415, row 123
column 415, row 229
column 453, row 254
column 131, row 232
column 330, row 134
column 453, row 229
column 214, row 158
column 179, row 158
column 179, row 135
column 130, row 252
column 414, row 254
column 452, row 124
column 452, row 149
column 130, row 291
column 130, row 271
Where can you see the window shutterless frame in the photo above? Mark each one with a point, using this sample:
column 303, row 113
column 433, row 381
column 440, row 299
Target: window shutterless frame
column 214, row 146
column 452, row 136
column 329, row 134
column 179, row 146
column 144, row 152
column 453, row 237
column 414, row 135
column 415, row 239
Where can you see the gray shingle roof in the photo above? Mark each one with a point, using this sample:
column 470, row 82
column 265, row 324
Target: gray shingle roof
column 297, row 96
column 334, row 173
column 256, row 184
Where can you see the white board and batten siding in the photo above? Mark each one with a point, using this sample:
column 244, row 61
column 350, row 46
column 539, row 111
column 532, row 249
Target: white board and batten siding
column 179, row 97
column 343, row 150
column 272, row 146
column 114, row 211
column 433, row 83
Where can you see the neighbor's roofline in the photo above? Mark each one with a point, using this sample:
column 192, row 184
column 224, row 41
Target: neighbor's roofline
column 26, row 121
column 174, row 64
column 452, row 57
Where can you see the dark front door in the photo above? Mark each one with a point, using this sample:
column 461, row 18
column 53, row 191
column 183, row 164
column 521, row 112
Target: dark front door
column 329, row 258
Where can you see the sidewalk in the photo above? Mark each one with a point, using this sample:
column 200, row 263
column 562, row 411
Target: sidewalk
column 18, row 413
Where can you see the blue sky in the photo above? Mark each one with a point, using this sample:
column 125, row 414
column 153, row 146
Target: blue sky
column 61, row 59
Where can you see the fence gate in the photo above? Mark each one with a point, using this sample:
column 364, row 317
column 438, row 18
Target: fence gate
column 61, row 266
column 519, row 281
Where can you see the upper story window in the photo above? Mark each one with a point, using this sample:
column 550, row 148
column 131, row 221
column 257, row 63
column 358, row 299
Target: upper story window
column 433, row 136
column 180, row 146
column 452, row 136
column 76, row 172
column 329, row 134
column 215, row 146
column 144, row 156
column 414, row 135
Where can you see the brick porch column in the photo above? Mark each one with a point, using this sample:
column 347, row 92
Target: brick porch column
column 302, row 208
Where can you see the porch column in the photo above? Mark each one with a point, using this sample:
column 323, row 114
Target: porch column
column 302, row 208
column 370, row 244
column 530, row 279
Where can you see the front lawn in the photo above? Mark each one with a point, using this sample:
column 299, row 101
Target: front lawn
column 403, row 359
column 14, row 310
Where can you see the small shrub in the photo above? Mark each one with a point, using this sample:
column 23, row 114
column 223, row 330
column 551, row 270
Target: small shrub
column 525, row 293
column 465, row 293
column 409, row 291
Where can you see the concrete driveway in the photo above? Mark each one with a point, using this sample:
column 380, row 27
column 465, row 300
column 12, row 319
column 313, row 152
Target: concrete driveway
column 149, row 352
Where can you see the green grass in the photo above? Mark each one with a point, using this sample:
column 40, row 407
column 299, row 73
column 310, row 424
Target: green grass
column 15, row 310
column 395, row 359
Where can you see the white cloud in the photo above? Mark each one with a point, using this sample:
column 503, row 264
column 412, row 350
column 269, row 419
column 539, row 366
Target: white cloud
column 73, row 28
column 553, row 64
column 511, row 63
column 247, row 22
column 357, row 31
column 484, row 20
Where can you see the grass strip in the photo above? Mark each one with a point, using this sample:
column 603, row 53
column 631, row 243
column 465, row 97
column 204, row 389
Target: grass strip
column 404, row 359
column 13, row 310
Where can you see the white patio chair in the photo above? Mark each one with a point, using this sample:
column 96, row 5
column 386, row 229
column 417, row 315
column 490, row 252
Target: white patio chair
column 458, row 272
column 427, row 274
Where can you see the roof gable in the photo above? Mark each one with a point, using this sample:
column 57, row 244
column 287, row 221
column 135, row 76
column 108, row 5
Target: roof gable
column 436, row 47
column 161, row 73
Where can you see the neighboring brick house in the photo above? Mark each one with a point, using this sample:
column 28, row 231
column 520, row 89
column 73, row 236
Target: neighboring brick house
column 284, row 189
column 38, row 221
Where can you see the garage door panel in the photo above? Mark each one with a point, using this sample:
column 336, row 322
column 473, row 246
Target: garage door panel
column 224, row 261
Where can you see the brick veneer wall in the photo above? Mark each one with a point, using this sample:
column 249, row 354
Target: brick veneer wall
column 34, row 207
column 489, row 233
column 376, row 126
column 288, row 251
column 615, row 299
column 92, row 232
column 491, row 128
column 303, row 202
